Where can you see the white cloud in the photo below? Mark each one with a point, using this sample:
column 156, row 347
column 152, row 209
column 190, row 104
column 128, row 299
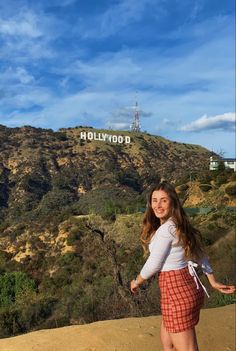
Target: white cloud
column 119, row 126
column 88, row 108
column 64, row 3
column 119, row 15
column 126, row 11
column 19, row 74
column 27, row 35
column 223, row 122
column 181, row 72
column 196, row 8
column 107, row 70
column 55, row 3
column 23, row 76
column 23, row 24
column 23, row 98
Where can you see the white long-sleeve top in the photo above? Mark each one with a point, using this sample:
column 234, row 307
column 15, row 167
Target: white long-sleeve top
column 166, row 253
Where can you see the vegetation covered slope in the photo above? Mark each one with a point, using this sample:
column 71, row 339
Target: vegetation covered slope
column 40, row 167
column 70, row 222
column 82, row 272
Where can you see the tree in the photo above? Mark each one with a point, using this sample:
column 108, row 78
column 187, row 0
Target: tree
column 14, row 287
column 221, row 166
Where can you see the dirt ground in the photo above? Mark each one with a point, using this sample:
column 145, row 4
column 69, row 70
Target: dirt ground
column 216, row 332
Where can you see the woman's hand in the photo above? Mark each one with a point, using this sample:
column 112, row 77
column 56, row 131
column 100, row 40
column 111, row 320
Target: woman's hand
column 225, row 289
column 133, row 286
column 136, row 283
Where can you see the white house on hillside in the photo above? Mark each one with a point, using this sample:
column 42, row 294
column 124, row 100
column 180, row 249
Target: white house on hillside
column 228, row 162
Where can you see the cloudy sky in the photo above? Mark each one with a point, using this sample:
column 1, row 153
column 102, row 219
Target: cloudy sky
column 66, row 63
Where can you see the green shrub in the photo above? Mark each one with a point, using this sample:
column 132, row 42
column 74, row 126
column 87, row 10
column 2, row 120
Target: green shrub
column 74, row 236
column 205, row 187
column 221, row 179
column 107, row 201
column 231, row 189
column 205, row 177
column 182, row 180
column 65, row 259
column 3, row 195
column 18, row 230
column 14, row 287
column 19, row 319
column 183, row 187
column 232, row 177
column 54, row 200
column 215, row 216
column 130, row 178
column 61, row 136
column 65, row 179
column 223, row 299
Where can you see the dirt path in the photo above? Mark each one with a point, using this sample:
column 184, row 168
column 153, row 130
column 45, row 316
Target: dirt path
column 216, row 332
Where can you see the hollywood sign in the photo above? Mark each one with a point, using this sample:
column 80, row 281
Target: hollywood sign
column 112, row 138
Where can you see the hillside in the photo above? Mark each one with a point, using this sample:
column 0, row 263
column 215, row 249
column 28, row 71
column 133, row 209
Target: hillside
column 80, row 272
column 216, row 332
column 34, row 162
column 70, row 218
column 42, row 169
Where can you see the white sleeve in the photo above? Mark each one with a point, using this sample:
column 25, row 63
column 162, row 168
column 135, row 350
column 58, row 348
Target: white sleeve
column 205, row 265
column 161, row 247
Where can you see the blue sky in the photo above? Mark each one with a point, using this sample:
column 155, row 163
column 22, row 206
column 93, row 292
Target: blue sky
column 66, row 63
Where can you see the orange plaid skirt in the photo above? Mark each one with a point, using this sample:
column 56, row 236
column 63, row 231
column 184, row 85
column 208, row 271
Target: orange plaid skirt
column 181, row 301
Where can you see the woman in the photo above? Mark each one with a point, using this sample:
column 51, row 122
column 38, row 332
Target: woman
column 173, row 242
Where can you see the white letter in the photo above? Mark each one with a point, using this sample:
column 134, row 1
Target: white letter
column 83, row 135
column 90, row 135
column 95, row 136
column 108, row 137
column 127, row 139
column 114, row 138
column 120, row 139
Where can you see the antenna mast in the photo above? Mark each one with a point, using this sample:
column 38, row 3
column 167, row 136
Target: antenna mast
column 135, row 126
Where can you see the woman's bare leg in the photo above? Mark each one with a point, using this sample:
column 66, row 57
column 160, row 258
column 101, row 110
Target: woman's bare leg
column 185, row 341
column 195, row 339
column 166, row 339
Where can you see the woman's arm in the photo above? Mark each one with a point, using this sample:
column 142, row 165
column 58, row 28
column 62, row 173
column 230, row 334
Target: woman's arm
column 206, row 267
column 136, row 282
column 225, row 289
column 161, row 245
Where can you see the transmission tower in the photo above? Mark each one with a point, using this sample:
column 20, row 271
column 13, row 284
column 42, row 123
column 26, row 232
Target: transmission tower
column 135, row 126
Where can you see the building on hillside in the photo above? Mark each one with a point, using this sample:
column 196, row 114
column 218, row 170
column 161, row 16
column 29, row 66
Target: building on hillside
column 228, row 163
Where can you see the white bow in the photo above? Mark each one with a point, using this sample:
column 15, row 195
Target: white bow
column 193, row 273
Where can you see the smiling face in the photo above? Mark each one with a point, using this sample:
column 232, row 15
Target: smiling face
column 161, row 205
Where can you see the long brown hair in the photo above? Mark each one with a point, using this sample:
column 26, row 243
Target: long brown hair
column 189, row 237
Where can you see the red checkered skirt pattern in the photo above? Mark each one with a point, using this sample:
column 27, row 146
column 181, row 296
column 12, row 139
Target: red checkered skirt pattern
column 181, row 301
